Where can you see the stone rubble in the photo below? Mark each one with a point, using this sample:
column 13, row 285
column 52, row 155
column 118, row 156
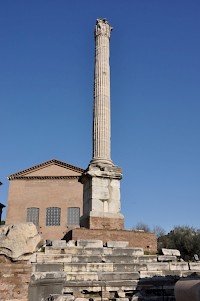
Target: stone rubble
column 19, row 241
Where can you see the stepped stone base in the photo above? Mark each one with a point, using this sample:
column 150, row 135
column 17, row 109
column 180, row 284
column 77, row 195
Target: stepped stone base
column 136, row 239
column 85, row 270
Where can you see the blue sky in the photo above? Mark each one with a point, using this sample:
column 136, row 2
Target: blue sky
column 46, row 94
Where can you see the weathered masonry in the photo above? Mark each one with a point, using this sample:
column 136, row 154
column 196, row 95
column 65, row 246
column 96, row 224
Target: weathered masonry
column 86, row 270
column 101, row 180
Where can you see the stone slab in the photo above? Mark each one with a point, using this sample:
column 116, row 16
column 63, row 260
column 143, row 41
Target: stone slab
column 121, row 294
column 129, row 267
column 49, row 250
column 97, row 286
column 84, row 259
column 71, row 243
column 158, row 266
column 90, row 243
column 82, row 276
column 178, row 266
column 47, row 275
column 129, row 259
column 43, row 288
column 194, row 266
column 60, row 258
column 88, row 267
column 56, row 297
column 52, row 267
column 75, row 251
column 165, row 258
column 128, row 251
column 150, row 274
column 59, row 243
column 172, row 273
column 171, row 252
column 117, row 244
column 92, row 251
column 119, row 276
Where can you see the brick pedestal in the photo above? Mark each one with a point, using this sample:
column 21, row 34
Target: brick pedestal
column 136, row 239
column 94, row 222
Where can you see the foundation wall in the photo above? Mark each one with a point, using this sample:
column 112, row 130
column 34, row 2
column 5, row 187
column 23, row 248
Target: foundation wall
column 14, row 279
column 136, row 239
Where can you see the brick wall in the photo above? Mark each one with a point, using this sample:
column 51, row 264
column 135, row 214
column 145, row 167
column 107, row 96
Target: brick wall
column 14, row 279
column 94, row 222
column 136, row 239
column 62, row 193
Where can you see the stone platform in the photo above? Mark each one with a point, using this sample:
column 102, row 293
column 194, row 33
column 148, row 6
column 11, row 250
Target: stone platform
column 136, row 239
column 85, row 270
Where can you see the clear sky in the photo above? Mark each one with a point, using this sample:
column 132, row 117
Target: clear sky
column 46, row 94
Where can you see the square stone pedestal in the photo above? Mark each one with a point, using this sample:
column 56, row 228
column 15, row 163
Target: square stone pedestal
column 101, row 197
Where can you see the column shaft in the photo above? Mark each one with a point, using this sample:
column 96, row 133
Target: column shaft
column 101, row 106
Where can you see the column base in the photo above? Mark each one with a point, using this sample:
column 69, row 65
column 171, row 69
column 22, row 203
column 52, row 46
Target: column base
column 103, row 222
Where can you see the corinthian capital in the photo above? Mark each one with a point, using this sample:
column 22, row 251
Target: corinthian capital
column 102, row 28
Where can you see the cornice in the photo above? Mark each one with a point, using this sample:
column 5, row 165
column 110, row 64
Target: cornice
column 25, row 178
column 22, row 174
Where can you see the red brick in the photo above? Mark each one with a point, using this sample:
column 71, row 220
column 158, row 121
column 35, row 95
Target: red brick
column 136, row 239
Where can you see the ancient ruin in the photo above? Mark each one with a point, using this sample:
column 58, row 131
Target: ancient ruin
column 99, row 261
column 101, row 180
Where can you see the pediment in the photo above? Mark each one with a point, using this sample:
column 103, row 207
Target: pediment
column 52, row 168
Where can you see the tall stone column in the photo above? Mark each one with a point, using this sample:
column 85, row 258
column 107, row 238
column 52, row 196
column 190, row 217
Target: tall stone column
column 101, row 180
column 101, row 112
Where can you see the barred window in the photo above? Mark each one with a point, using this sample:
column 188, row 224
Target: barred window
column 33, row 215
column 53, row 216
column 73, row 216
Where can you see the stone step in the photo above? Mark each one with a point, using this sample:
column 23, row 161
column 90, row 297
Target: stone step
column 146, row 270
column 48, row 267
column 58, row 258
column 129, row 259
column 118, row 276
column 96, row 286
column 82, row 276
column 128, row 251
column 97, row 267
column 75, row 251
column 94, row 251
column 105, row 267
column 62, row 258
column 129, row 267
column 194, row 266
column 101, row 276
column 88, row 267
column 164, row 258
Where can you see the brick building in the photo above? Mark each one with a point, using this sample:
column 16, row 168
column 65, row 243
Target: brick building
column 49, row 195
